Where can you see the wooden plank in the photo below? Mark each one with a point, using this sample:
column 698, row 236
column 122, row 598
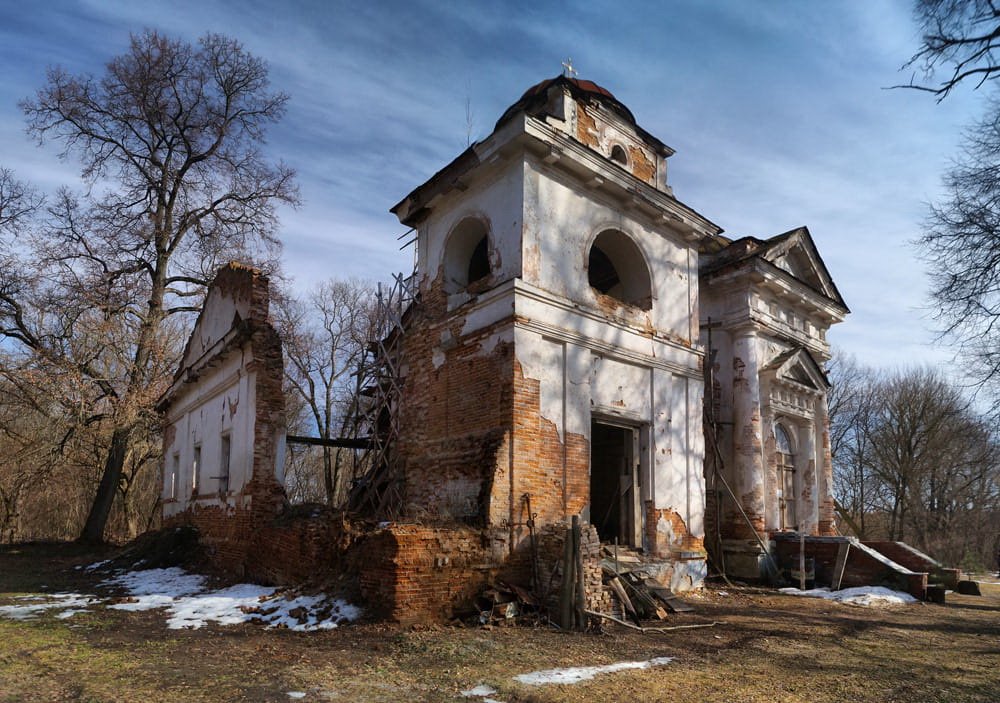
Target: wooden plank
column 619, row 590
column 840, row 565
column 580, row 603
column 668, row 597
column 568, row 582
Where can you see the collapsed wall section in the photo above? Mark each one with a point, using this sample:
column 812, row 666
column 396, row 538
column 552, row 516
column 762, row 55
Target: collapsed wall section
column 455, row 414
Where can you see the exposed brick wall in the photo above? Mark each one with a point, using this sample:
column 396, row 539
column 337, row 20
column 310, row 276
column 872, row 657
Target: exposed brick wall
column 223, row 532
column 666, row 531
column 282, row 551
column 586, row 127
column 413, row 573
column 455, row 414
column 642, row 167
column 472, row 438
column 555, row 474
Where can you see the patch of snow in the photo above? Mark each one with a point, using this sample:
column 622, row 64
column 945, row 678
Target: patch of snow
column 585, row 673
column 480, row 691
column 96, row 565
column 167, row 583
column 190, row 606
column 296, row 694
column 864, row 596
column 69, row 603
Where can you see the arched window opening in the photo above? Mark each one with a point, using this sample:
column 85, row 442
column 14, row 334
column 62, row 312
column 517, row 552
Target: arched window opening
column 618, row 155
column 616, row 268
column 466, row 255
column 479, row 264
column 786, row 476
column 602, row 272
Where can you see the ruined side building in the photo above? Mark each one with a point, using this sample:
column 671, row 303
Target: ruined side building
column 582, row 343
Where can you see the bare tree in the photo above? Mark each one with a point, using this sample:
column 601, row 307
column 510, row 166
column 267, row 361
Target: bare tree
column 961, row 245
column 961, row 239
column 169, row 142
column 963, row 35
column 324, row 337
column 18, row 202
column 914, row 462
column 851, row 405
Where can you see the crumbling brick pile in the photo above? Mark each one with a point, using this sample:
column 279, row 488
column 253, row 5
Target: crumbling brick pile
column 550, row 566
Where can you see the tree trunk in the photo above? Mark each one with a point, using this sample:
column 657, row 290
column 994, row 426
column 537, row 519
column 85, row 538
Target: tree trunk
column 328, row 472
column 100, row 510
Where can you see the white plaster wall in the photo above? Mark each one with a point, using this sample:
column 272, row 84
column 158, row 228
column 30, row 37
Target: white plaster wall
column 497, row 199
column 562, row 218
column 578, row 383
column 221, row 402
column 215, row 321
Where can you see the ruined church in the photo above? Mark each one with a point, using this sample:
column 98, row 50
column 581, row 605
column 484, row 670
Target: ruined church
column 580, row 343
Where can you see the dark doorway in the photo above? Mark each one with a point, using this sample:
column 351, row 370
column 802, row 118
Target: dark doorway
column 613, row 482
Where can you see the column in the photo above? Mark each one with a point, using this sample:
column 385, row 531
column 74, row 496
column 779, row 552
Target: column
column 826, row 524
column 805, row 467
column 748, row 468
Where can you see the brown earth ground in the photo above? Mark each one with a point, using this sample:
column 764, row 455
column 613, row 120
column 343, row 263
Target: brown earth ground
column 765, row 647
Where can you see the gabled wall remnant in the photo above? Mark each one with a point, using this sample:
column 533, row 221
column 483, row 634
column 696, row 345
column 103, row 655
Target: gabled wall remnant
column 224, row 417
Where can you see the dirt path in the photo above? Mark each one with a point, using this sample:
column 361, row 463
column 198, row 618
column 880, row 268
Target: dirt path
column 768, row 648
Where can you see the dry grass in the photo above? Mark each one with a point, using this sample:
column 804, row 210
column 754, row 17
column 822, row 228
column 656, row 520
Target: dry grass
column 768, row 647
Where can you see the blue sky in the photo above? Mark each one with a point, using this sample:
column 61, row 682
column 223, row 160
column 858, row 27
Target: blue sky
column 778, row 112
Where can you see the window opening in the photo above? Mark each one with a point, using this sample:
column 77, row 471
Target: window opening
column 479, row 264
column 601, row 272
column 786, row 477
column 618, row 155
column 224, row 464
column 616, row 268
column 195, row 470
column 175, row 467
column 467, row 255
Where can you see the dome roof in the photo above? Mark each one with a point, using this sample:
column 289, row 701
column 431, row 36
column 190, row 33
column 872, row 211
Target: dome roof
column 536, row 96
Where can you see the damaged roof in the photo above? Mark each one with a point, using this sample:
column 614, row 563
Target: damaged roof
column 535, row 100
column 771, row 251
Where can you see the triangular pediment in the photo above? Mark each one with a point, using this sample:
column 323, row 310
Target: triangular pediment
column 797, row 366
column 795, row 253
column 230, row 300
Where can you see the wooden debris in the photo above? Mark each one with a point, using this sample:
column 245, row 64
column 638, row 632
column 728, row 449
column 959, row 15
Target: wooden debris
column 667, row 597
column 619, row 590
column 605, row 616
